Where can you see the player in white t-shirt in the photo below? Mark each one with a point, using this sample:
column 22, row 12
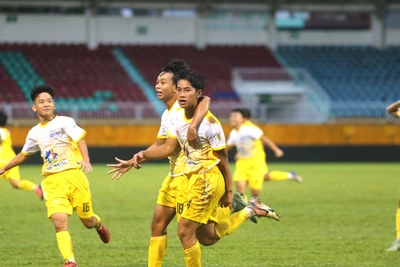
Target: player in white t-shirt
column 208, row 171
column 65, row 158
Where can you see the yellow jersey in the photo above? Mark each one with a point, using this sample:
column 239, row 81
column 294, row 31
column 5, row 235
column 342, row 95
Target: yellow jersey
column 6, row 151
column 57, row 141
column 177, row 160
column 247, row 140
column 211, row 137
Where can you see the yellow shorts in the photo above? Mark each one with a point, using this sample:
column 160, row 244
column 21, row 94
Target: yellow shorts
column 67, row 191
column 202, row 196
column 170, row 194
column 250, row 171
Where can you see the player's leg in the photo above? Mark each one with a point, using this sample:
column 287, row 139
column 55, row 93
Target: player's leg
column 82, row 202
column 240, row 176
column 282, row 176
column 59, row 207
column 163, row 214
column 190, row 244
column 396, row 244
column 14, row 178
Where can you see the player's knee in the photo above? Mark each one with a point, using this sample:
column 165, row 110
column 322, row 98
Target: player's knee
column 88, row 223
column 158, row 226
column 60, row 222
column 14, row 183
column 184, row 234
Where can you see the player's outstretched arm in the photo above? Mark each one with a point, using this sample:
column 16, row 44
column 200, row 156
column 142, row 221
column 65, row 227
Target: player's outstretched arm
column 223, row 165
column 201, row 111
column 85, row 162
column 158, row 152
column 269, row 143
column 18, row 159
column 394, row 109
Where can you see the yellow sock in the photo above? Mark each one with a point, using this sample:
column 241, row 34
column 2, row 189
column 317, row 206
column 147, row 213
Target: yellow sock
column 65, row 245
column 157, row 250
column 230, row 224
column 193, row 256
column 99, row 223
column 278, row 176
column 26, row 185
column 398, row 224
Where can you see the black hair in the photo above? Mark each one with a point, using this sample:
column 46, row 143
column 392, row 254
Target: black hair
column 43, row 88
column 196, row 79
column 3, row 118
column 238, row 110
column 246, row 113
column 174, row 66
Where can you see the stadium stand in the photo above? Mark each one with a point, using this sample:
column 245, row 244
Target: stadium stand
column 350, row 74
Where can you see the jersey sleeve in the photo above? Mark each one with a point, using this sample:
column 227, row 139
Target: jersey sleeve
column 30, row 146
column 74, row 132
column 2, row 135
column 231, row 139
column 254, row 132
column 216, row 137
column 162, row 132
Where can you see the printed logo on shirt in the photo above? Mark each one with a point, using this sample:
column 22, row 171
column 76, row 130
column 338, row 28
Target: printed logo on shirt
column 50, row 155
column 217, row 137
column 55, row 133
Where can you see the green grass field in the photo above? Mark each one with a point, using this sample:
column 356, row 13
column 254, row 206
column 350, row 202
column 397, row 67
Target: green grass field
column 342, row 215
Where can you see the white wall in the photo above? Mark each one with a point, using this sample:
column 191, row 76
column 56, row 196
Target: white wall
column 316, row 37
column 72, row 29
column 43, row 29
column 393, row 36
column 159, row 31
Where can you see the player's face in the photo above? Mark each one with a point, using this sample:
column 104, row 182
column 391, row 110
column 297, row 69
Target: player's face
column 236, row 119
column 165, row 87
column 187, row 95
column 44, row 105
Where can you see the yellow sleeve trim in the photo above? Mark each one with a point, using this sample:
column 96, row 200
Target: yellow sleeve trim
column 80, row 137
column 25, row 154
column 170, row 135
column 219, row 148
column 161, row 137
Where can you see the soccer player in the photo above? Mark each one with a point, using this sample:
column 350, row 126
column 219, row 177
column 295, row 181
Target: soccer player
column 208, row 173
column 394, row 110
column 6, row 154
column 65, row 156
column 251, row 167
column 167, row 203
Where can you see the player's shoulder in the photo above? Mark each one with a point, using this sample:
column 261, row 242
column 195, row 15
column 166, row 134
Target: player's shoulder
column 63, row 119
column 35, row 129
column 211, row 118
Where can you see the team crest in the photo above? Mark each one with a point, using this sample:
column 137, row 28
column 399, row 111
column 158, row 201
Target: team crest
column 217, row 137
column 50, row 155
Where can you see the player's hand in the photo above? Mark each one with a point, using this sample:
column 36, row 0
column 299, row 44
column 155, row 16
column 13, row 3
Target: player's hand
column 138, row 158
column 192, row 137
column 2, row 171
column 120, row 168
column 279, row 153
column 226, row 199
column 86, row 166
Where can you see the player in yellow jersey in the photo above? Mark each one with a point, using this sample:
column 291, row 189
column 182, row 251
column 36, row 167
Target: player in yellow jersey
column 251, row 167
column 6, row 154
column 167, row 203
column 394, row 110
column 208, row 172
column 65, row 156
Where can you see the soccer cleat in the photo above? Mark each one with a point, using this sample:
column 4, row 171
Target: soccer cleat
column 262, row 210
column 70, row 264
column 104, row 234
column 239, row 203
column 395, row 246
column 296, row 177
column 39, row 192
